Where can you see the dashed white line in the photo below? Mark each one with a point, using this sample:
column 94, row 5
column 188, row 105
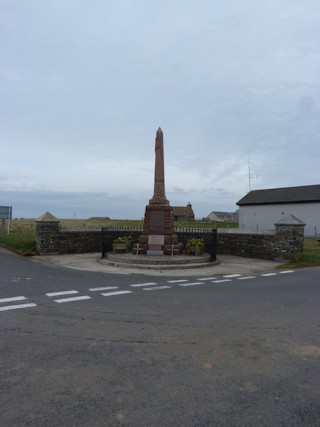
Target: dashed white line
column 246, row 277
column 177, row 281
column 15, row 307
column 110, row 294
column 232, row 275
column 207, row 278
column 156, row 288
column 286, row 271
column 268, row 274
column 221, row 281
column 72, row 299
column 12, row 299
column 106, row 288
column 138, row 285
column 55, row 294
column 191, row 284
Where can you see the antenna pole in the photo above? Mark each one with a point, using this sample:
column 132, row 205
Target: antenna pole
column 249, row 173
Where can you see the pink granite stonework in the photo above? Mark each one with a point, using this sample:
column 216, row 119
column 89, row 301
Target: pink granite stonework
column 158, row 218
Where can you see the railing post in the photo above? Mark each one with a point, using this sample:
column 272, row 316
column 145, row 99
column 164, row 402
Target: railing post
column 102, row 243
column 213, row 246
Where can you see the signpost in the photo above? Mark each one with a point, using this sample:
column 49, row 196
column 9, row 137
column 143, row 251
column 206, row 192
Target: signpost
column 5, row 213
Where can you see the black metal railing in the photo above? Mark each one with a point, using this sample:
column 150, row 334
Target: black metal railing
column 109, row 234
column 209, row 236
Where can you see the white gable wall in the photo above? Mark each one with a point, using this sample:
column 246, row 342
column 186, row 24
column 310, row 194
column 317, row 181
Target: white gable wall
column 212, row 217
column 263, row 217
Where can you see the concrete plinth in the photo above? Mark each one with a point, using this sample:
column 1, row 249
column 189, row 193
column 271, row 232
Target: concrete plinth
column 154, row 253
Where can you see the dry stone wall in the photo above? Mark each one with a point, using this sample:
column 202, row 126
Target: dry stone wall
column 286, row 242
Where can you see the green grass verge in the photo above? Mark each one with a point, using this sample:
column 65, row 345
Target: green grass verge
column 21, row 240
column 311, row 255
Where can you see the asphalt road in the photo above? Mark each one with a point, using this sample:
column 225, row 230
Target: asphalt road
column 157, row 351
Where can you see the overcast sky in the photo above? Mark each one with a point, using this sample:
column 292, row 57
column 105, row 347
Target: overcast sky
column 84, row 86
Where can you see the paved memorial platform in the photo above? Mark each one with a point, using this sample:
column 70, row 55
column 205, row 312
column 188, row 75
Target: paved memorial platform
column 229, row 264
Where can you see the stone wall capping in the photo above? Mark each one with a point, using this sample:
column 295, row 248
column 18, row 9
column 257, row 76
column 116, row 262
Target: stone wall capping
column 47, row 217
column 289, row 220
column 244, row 231
column 83, row 229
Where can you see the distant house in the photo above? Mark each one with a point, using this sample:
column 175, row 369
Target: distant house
column 260, row 209
column 183, row 213
column 222, row 216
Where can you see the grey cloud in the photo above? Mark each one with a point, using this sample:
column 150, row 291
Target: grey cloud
column 224, row 80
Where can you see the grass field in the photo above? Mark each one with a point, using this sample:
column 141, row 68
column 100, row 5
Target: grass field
column 23, row 235
column 29, row 225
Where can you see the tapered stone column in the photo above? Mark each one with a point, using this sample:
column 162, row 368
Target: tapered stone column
column 159, row 197
column 158, row 215
column 158, row 230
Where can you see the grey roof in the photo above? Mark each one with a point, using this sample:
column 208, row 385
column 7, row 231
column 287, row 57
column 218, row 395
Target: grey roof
column 303, row 194
column 221, row 214
column 182, row 210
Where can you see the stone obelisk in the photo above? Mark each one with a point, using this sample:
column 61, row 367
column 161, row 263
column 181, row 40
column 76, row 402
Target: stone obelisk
column 158, row 231
column 159, row 197
column 158, row 216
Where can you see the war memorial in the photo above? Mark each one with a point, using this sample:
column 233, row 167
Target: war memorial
column 158, row 242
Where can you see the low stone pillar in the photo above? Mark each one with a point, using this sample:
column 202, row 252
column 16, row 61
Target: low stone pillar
column 47, row 234
column 289, row 238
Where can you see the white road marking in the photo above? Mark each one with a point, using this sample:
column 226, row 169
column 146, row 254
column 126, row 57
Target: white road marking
column 72, row 299
column 269, row 274
column 231, row 275
column 221, row 281
column 177, row 281
column 286, row 271
column 138, row 285
column 106, row 288
column 14, row 307
column 191, row 284
column 156, row 288
column 207, row 278
column 54, row 294
column 12, row 299
column 110, row 294
column 246, row 277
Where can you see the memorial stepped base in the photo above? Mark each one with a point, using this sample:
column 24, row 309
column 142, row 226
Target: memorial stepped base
column 165, row 262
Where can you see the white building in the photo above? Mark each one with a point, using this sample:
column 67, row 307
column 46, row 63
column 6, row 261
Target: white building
column 260, row 209
column 220, row 216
